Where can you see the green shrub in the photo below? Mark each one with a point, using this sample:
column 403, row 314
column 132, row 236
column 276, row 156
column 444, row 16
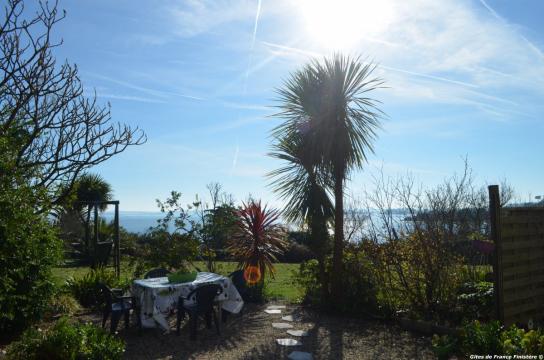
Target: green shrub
column 29, row 248
column 65, row 341
column 86, row 289
column 360, row 291
column 308, row 279
column 161, row 248
column 518, row 341
column 476, row 300
column 444, row 346
column 417, row 275
column 490, row 338
column 63, row 303
column 479, row 338
column 296, row 253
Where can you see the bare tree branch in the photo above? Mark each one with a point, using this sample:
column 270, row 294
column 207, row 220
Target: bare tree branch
column 57, row 130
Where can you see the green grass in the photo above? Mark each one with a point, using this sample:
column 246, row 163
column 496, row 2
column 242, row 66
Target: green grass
column 282, row 286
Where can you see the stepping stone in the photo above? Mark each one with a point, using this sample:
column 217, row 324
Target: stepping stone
column 273, row 311
column 290, row 318
column 282, row 326
column 298, row 332
column 275, row 307
column 288, row 342
column 300, row 355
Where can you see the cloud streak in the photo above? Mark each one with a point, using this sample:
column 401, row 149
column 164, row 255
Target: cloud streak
column 149, row 91
column 255, row 27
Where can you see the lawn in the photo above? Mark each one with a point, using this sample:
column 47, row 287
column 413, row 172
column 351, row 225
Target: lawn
column 282, row 287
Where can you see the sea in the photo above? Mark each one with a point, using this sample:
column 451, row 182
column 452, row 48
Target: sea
column 135, row 221
column 141, row 221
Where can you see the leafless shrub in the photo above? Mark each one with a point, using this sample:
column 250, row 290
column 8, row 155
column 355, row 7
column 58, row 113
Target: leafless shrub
column 56, row 130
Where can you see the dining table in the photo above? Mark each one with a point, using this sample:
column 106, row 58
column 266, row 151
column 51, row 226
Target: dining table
column 157, row 298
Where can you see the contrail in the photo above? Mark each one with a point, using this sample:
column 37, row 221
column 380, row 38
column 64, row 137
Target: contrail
column 234, row 159
column 528, row 42
column 255, row 27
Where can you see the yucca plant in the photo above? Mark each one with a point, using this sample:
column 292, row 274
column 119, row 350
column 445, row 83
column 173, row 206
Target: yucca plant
column 257, row 240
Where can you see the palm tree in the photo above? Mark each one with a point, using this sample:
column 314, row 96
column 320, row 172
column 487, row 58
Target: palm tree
column 305, row 190
column 328, row 99
column 90, row 188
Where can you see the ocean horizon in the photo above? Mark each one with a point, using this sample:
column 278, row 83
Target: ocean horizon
column 135, row 221
column 141, row 221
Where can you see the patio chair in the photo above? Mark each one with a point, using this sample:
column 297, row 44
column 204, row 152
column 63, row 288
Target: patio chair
column 203, row 298
column 116, row 305
column 156, row 273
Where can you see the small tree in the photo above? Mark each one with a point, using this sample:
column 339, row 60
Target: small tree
column 172, row 243
column 216, row 223
column 57, row 132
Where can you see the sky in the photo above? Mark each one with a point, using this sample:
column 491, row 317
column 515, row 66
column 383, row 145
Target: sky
column 464, row 79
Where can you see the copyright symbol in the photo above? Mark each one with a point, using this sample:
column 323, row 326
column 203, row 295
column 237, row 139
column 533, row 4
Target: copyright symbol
column 541, row 357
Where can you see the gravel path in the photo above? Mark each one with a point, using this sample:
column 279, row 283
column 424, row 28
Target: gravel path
column 250, row 335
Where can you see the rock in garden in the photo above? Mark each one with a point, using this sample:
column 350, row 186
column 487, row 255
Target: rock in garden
column 300, row 355
column 275, row 307
column 298, row 332
column 282, row 325
column 272, row 311
column 288, row 342
column 290, row 318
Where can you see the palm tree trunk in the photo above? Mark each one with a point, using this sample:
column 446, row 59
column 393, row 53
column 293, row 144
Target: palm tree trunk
column 319, row 235
column 87, row 232
column 337, row 257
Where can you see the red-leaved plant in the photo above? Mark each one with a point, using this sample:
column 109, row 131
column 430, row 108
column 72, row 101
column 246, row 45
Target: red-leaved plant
column 257, row 240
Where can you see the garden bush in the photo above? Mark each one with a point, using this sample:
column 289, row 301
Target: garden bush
column 360, row 290
column 62, row 303
column 489, row 338
column 417, row 275
column 65, row 341
column 296, row 253
column 29, row 248
column 86, row 289
column 476, row 301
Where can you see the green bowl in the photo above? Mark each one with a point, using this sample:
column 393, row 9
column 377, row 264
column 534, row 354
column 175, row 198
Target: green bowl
column 182, row 277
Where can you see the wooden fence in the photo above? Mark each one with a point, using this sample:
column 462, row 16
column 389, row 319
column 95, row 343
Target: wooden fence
column 518, row 233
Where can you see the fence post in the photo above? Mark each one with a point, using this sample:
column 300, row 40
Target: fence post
column 117, row 255
column 495, row 232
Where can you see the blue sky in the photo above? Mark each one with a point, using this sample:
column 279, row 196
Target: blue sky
column 466, row 78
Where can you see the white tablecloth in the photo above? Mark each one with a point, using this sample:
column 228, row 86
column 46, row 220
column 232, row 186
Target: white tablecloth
column 158, row 298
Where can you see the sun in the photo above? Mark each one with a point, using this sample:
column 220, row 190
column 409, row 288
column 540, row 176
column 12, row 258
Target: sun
column 341, row 24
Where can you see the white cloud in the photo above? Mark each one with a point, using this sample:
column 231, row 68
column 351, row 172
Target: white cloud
column 194, row 17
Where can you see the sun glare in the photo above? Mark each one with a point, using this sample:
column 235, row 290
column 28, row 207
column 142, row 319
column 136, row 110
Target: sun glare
column 341, row 24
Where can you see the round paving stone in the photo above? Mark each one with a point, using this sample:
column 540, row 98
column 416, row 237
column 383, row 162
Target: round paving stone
column 290, row 318
column 298, row 332
column 288, row 342
column 300, row 355
column 282, row 326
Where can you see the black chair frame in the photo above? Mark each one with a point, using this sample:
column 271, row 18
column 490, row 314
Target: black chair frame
column 156, row 273
column 203, row 297
column 113, row 297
